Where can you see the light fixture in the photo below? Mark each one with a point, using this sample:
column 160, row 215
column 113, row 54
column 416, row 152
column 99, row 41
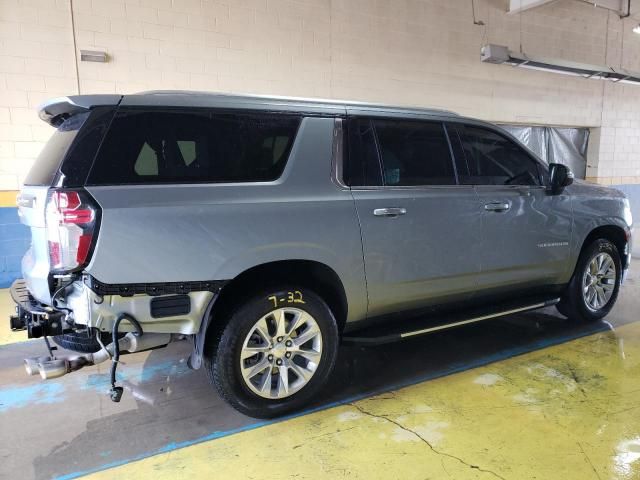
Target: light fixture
column 500, row 54
column 636, row 29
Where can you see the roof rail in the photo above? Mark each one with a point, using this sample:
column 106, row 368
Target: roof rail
column 309, row 100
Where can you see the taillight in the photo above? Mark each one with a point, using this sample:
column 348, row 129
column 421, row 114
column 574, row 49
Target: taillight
column 71, row 217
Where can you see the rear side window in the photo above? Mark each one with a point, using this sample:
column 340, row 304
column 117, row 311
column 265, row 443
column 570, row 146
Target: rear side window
column 493, row 159
column 414, row 153
column 46, row 166
column 195, row 146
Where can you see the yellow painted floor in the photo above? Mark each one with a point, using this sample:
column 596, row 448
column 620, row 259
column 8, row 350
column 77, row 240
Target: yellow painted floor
column 6, row 335
column 567, row 412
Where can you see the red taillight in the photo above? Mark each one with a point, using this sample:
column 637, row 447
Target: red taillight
column 84, row 244
column 71, row 226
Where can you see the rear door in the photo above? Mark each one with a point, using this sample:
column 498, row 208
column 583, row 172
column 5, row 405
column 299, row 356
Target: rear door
column 525, row 230
column 420, row 229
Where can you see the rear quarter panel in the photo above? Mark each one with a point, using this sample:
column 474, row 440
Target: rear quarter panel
column 190, row 232
column 35, row 262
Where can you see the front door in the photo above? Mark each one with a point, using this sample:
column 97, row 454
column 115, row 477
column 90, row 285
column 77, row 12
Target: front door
column 420, row 229
column 525, row 230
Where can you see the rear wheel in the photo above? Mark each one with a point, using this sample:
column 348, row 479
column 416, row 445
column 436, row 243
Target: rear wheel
column 594, row 287
column 275, row 353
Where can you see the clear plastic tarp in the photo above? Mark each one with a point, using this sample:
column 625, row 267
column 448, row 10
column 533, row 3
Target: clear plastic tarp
column 556, row 144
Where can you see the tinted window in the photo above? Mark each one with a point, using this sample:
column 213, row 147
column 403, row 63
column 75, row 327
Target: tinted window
column 48, row 162
column 363, row 167
column 79, row 157
column 168, row 147
column 495, row 160
column 458, row 152
column 414, row 153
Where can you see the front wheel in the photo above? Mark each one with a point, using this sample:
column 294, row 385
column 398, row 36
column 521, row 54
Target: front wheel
column 594, row 287
column 275, row 353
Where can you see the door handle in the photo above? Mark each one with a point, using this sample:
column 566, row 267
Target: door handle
column 389, row 212
column 497, row 206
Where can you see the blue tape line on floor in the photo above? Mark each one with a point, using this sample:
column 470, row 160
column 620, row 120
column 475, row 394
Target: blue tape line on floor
column 455, row 368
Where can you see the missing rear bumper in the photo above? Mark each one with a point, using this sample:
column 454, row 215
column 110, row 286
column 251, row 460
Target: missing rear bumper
column 39, row 320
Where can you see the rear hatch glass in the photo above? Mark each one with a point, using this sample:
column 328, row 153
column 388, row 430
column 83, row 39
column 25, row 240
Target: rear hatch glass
column 47, row 164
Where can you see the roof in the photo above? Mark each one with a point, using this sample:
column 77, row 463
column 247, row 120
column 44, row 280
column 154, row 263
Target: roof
column 54, row 110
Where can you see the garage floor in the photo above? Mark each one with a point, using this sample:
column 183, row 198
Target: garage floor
column 529, row 396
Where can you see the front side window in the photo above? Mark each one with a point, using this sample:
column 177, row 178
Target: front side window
column 414, row 153
column 492, row 159
column 191, row 147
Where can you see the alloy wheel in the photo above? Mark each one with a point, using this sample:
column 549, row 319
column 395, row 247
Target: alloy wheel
column 281, row 353
column 598, row 281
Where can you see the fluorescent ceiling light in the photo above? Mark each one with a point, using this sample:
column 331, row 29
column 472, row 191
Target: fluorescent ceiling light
column 502, row 55
column 636, row 29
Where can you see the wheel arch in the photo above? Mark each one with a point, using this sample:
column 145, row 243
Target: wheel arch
column 312, row 274
column 615, row 234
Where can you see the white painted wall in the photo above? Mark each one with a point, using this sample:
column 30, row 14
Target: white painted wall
column 413, row 52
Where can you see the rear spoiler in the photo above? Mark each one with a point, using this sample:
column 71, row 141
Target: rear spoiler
column 56, row 110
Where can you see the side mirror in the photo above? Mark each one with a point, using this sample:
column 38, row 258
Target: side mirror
column 560, row 176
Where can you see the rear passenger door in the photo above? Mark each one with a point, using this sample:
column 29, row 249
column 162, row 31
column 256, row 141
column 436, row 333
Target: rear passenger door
column 526, row 230
column 420, row 229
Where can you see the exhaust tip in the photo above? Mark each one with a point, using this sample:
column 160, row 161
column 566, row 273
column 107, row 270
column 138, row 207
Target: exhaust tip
column 31, row 364
column 53, row 369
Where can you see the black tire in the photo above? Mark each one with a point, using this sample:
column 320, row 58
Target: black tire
column 82, row 342
column 222, row 354
column 573, row 304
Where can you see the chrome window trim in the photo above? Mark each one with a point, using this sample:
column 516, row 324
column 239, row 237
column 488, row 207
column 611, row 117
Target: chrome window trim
column 411, row 187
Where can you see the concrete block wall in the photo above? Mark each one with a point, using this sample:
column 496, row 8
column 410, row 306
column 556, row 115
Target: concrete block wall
column 413, row 52
column 619, row 153
column 36, row 63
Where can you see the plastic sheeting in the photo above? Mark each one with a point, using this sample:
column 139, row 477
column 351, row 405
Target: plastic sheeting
column 556, row 145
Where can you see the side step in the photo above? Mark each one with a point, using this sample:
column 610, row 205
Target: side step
column 378, row 335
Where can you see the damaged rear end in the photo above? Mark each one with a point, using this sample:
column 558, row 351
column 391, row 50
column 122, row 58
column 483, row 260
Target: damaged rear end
column 56, row 297
column 63, row 218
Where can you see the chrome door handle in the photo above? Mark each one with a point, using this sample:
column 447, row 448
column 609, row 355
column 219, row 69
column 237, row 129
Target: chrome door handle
column 497, row 206
column 389, row 212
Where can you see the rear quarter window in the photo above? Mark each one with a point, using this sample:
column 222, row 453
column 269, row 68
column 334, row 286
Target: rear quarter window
column 147, row 147
column 46, row 166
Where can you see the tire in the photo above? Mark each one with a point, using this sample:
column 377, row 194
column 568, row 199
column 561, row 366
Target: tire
column 574, row 304
column 264, row 395
column 82, row 342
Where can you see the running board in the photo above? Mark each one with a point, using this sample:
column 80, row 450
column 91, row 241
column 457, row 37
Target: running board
column 360, row 337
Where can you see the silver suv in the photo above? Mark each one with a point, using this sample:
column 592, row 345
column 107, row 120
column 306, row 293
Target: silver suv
column 268, row 230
